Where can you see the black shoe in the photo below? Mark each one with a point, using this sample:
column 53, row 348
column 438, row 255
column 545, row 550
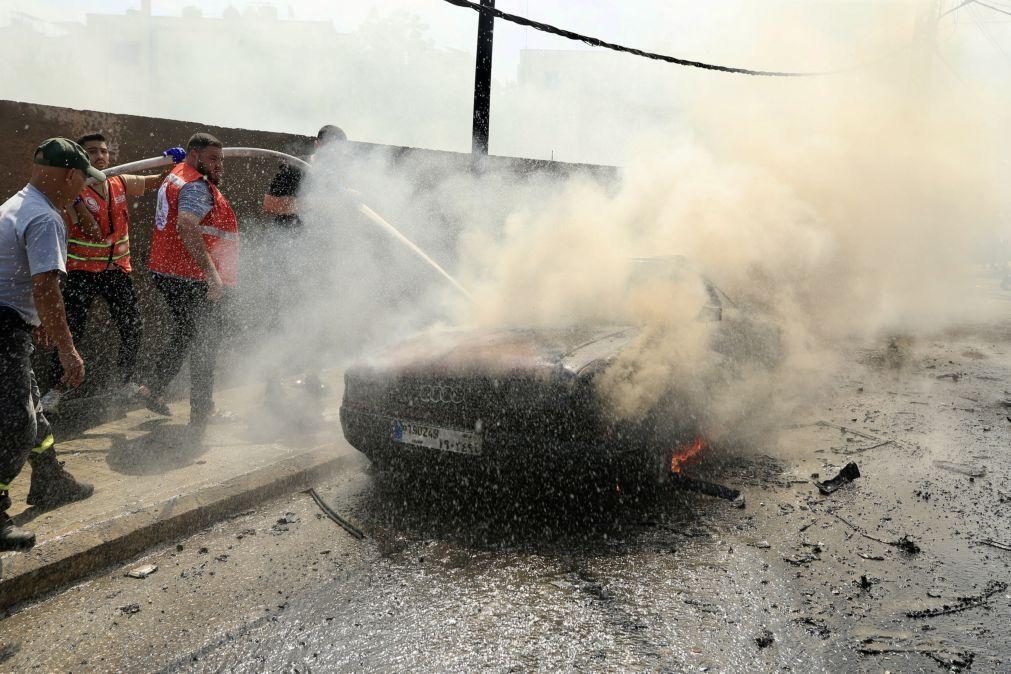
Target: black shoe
column 157, row 405
column 52, row 485
column 12, row 537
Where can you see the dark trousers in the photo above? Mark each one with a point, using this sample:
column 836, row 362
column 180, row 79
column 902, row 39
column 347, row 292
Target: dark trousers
column 196, row 328
column 116, row 288
column 22, row 424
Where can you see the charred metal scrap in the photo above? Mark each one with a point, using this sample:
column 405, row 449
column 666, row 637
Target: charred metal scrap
column 962, row 603
column 848, row 473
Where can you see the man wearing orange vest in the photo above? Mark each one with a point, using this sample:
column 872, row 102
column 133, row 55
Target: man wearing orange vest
column 194, row 262
column 98, row 261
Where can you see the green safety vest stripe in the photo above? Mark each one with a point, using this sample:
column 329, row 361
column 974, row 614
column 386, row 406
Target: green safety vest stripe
column 45, row 444
column 100, row 258
column 91, row 244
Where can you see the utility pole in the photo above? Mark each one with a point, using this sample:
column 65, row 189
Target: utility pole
column 925, row 41
column 482, row 80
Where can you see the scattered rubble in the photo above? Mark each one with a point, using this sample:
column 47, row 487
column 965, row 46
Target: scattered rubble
column 142, row 571
column 994, row 544
column 954, row 661
column 961, row 468
column 802, row 560
column 848, row 473
column 765, row 639
column 815, row 627
column 962, row 603
column 130, row 609
column 355, row 532
column 708, row 488
column 905, row 543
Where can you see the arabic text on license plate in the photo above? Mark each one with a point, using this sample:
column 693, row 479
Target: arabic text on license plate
column 444, row 439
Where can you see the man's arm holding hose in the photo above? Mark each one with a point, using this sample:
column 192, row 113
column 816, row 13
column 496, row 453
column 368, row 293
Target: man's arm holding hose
column 189, row 231
column 282, row 195
column 49, row 304
column 274, row 205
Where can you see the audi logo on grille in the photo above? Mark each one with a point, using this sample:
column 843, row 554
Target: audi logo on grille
column 440, row 393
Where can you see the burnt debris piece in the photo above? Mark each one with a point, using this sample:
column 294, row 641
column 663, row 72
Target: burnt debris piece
column 961, row 468
column 905, row 543
column 848, row 473
column 142, row 571
column 354, row 531
column 765, row 639
column 679, row 481
column 953, row 661
column 962, row 603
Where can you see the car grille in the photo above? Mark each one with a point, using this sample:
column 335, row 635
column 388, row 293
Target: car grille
column 561, row 410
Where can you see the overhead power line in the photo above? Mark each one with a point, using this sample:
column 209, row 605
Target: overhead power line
column 955, row 8
column 996, row 9
column 596, row 42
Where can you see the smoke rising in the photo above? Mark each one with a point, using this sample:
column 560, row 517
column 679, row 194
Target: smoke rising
column 838, row 209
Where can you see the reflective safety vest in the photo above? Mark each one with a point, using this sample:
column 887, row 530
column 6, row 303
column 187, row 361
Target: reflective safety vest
column 113, row 218
column 220, row 229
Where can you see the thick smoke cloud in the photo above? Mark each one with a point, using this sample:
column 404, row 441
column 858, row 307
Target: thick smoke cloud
column 846, row 207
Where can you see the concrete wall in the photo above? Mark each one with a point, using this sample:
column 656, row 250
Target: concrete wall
column 24, row 126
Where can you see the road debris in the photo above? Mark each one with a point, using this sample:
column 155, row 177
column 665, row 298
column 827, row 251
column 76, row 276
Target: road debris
column 848, row 473
column 801, row 560
column 130, row 609
column 142, row 571
column 954, row 661
column 961, row 468
column 861, row 450
column 872, row 558
column 994, row 544
column 962, row 603
column 905, row 543
column 815, row 627
column 355, row 532
column 680, row 481
column 765, row 638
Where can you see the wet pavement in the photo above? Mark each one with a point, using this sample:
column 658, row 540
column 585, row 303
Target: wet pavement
column 900, row 570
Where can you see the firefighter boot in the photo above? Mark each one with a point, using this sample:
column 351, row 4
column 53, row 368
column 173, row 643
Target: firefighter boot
column 12, row 537
column 51, row 484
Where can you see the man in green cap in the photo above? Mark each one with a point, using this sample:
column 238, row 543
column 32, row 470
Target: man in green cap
column 33, row 255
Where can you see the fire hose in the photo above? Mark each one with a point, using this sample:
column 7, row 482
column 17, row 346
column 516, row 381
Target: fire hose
column 255, row 152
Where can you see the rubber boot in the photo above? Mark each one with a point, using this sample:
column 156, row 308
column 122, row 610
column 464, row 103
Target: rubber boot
column 12, row 537
column 51, row 484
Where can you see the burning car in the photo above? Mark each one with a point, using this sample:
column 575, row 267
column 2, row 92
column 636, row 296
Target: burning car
column 523, row 399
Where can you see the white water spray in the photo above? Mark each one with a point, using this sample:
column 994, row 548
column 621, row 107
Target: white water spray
column 247, row 152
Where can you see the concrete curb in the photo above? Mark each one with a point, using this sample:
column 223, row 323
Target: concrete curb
column 58, row 562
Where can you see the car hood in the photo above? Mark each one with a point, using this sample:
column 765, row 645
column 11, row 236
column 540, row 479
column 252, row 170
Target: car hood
column 454, row 352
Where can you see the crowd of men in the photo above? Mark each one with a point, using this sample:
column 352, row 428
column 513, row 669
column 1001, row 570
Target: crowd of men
column 65, row 241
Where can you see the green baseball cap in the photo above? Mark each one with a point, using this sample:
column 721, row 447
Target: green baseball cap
column 64, row 153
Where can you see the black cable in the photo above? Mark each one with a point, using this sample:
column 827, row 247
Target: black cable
column 955, row 8
column 595, row 42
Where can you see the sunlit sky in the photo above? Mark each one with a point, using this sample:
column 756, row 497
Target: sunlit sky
column 669, row 26
column 973, row 50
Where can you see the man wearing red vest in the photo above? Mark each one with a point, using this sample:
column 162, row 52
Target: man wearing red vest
column 194, row 262
column 98, row 261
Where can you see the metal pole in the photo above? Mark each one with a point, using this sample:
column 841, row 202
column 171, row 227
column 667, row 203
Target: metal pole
column 482, row 80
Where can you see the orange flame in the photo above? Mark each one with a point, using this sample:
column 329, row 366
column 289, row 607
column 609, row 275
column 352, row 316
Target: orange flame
column 686, row 454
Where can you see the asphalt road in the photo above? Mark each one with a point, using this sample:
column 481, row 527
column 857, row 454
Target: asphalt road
column 461, row 576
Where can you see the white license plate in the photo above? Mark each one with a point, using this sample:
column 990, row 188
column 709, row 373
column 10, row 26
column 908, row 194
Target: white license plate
column 433, row 437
